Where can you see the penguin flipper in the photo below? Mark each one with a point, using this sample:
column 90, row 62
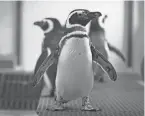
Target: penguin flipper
column 104, row 63
column 40, row 60
column 117, row 51
column 49, row 60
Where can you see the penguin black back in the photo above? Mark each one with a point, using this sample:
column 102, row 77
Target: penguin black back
column 52, row 34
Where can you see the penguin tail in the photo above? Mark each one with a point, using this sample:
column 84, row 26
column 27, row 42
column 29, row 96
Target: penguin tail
column 117, row 51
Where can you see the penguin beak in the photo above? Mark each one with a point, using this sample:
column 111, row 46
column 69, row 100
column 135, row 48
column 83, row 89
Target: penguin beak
column 39, row 23
column 92, row 15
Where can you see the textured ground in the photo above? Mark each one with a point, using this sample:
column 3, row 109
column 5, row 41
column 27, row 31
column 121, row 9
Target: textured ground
column 125, row 97
column 16, row 92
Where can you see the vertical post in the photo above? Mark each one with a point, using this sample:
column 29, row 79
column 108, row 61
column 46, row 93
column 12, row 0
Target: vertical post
column 18, row 31
column 129, row 26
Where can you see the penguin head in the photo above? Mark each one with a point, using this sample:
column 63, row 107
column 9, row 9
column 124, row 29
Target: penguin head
column 98, row 23
column 80, row 17
column 48, row 24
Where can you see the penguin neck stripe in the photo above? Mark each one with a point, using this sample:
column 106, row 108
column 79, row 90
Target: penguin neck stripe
column 50, row 26
column 78, row 34
column 72, row 31
column 75, row 28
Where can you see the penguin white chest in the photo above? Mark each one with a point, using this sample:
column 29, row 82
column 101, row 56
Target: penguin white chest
column 74, row 72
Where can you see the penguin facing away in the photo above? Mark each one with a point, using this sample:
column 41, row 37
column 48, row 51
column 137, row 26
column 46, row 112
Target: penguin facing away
column 98, row 39
column 53, row 31
column 52, row 34
column 75, row 54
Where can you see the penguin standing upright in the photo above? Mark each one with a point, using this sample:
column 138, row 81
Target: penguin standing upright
column 52, row 34
column 98, row 39
column 74, row 56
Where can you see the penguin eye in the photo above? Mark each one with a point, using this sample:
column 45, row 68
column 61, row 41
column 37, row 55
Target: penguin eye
column 79, row 14
column 82, row 14
column 43, row 21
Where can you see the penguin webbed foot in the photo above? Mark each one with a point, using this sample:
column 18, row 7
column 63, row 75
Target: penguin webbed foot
column 86, row 105
column 56, row 107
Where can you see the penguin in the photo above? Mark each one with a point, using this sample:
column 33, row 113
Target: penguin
column 74, row 56
column 52, row 30
column 98, row 38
